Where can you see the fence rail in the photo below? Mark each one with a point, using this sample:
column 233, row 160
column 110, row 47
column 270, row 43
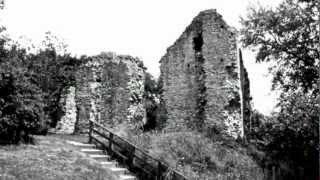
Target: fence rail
column 137, row 159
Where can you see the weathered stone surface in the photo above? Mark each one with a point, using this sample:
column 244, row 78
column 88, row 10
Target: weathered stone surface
column 84, row 75
column 200, row 77
column 109, row 90
column 245, row 97
column 67, row 123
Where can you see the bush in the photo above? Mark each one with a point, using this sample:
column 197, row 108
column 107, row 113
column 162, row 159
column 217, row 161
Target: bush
column 53, row 73
column 21, row 103
column 31, row 86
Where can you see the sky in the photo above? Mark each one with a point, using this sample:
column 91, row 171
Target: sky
column 141, row 28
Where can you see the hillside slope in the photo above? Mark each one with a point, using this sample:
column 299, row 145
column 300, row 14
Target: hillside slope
column 51, row 158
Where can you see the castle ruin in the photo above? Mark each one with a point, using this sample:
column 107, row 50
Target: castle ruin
column 205, row 85
column 109, row 89
column 200, row 77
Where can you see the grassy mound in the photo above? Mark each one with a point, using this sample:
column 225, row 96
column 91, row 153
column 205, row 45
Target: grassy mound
column 51, row 158
column 201, row 158
column 197, row 156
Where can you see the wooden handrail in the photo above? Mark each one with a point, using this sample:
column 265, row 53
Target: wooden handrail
column 126, row 141
column 161, row 166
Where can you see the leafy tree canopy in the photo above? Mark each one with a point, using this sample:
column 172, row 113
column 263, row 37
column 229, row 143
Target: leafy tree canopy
column 31, row 85
column 289, row 36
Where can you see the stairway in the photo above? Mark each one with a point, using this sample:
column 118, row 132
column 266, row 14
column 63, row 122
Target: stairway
column 104, row 160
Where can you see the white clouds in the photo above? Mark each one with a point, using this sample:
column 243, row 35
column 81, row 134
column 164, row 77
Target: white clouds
column 142, row 28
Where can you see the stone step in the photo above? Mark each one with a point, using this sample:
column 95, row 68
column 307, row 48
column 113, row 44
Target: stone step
column 127, row 177
column 81, row 145
column 103, row 159
column 100, row 157
column 109, row 163
column 92, row 151
column 119, row 171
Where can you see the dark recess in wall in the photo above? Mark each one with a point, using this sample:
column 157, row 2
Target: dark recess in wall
column 200, row 82
column 198, row 42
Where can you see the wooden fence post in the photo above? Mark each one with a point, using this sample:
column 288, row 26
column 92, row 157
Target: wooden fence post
column 127, row 153
column 90, row 131
column 110, row 142
column 273, row 173
column 159, row 171
column 131, row 156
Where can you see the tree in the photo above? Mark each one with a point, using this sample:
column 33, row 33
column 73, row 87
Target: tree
column 31, row 86
column 21, row 101
column 288, row 36
column 296, row 133
column 151, row 101
column 54, row 70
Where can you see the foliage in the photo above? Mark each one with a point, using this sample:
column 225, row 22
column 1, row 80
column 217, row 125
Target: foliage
column 151, row 101
column 31, row 86
column 21, row 101
column 199, row 157
column 288, row 36
column 162, row 114
column 195, row 155
column 53, row 72
column 295, row 135
column 290, row 137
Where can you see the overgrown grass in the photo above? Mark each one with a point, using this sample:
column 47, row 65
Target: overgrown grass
column 51, row 158
column 197, row 156
column 201, row 158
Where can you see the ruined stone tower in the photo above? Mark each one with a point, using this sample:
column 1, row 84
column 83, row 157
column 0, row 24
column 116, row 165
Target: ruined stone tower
column 109, row 89
column 205, row 86
column 200, row 78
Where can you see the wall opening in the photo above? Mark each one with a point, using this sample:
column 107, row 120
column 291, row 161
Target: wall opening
column 198, row 42
column 201, row 99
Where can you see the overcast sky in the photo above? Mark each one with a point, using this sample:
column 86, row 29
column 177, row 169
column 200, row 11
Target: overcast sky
column 142, row 28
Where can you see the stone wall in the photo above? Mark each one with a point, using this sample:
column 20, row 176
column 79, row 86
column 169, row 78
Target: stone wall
column 67, row 123
column 200, row 77
column 109, row 90
column 245, row 96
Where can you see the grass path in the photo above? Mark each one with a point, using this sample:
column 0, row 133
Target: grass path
column 51, row 158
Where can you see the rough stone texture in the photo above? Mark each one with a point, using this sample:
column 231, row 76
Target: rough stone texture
column 83, row 97
column 67, row 123
column 109, row 90
column 200, row 77
column 245, row 97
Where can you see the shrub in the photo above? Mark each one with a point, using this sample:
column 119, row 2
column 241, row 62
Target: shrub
column 31, row 86
column 21, row 103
